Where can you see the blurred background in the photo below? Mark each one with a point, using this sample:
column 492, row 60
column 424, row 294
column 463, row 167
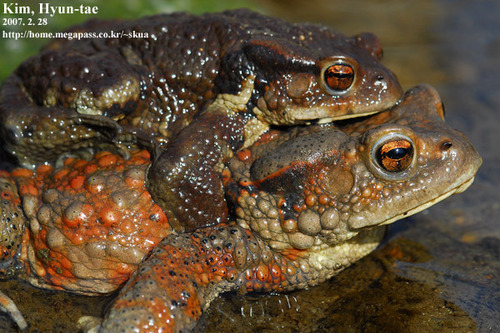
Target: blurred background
column 438, row 270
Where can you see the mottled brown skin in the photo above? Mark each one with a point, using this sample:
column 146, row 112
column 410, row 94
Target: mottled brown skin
column 305, row 204
column 106, row 92
column 83, row 227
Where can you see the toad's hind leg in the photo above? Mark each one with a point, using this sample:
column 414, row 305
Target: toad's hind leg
column 11, row 233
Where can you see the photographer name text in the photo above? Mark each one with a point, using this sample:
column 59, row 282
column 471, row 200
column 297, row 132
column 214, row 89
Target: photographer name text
column 45, row 8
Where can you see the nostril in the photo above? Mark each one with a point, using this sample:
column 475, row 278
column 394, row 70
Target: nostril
column 446, row 145
column 381, row 82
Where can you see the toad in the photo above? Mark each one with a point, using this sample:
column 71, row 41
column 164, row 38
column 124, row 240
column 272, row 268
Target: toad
column 199, row 87
column 306, row 203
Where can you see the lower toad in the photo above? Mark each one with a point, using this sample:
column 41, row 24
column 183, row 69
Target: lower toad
column 305, row 204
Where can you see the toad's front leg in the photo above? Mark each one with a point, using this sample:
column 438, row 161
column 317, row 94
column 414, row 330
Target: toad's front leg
column 186, row 178
column 186, row 272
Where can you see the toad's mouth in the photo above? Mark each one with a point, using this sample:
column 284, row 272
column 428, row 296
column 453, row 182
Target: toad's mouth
column 319, row 121
column 459, row 189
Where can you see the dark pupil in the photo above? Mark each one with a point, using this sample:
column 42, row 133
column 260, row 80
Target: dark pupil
column 339, row 76
column 395, row 156
column 397, row 153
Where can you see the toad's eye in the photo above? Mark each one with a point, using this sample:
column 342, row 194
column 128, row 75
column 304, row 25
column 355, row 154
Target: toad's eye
column 395, row 155
column 339, row 77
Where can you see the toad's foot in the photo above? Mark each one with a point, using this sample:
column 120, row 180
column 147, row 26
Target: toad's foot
column 8, row 306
